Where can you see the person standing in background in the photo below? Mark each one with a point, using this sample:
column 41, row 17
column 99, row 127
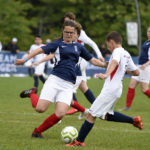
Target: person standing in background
column 12, row 46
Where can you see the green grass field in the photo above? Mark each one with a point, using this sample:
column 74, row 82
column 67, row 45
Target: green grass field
column 18, row 120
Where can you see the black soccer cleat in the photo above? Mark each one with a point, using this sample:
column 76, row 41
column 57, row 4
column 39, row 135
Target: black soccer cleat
column 27, row 93
column 35, row 134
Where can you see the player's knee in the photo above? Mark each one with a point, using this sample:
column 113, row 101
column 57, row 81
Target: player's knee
column 60, row 114
column 40, row 110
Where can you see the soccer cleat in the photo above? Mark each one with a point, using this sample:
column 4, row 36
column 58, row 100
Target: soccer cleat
column 27, row 93
column 125, row 109
column 71, row 111
column 137, row 122
column 35, row 134
column 75, row 143
column 83, row 114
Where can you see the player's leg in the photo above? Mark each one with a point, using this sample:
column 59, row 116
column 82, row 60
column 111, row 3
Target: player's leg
column 36, row 81
column 42, row 105
column 42, row 78
column 131, row 93
column 87, row 92
column 84, row 131
column 78, row 81
column 83, row 85
column 119, row 117
column 61, row 109
column 73, row 109
column 145, row 89
column 144, row 81
column 59, row 90
column 31, row 93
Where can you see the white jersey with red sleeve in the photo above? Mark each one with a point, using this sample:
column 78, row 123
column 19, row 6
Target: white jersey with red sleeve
column 113, row 83
column 85, row 39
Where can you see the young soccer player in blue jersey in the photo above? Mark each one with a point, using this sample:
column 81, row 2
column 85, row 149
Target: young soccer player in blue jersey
column 144, row 77
column 84, row 39
column 119, row 63
column 59, row 85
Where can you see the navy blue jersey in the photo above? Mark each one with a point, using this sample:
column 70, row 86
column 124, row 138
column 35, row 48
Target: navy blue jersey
column 145, row 53
column 67, row 56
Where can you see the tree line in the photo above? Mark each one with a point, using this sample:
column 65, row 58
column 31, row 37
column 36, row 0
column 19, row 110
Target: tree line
column 25, row 18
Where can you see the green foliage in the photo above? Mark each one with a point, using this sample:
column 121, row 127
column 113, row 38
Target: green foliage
column 13, row 22
column 25, row 18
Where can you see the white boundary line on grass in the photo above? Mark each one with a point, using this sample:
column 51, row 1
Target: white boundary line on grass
column 101, row 128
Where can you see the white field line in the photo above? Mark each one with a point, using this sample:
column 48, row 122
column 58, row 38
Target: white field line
column 100, row 128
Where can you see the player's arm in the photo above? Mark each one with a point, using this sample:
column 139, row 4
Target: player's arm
column 148, row 62
column 110, row 69
column 87, row 56
column 97, row 62
column 48, row 57
column 87, row 40
column 133, row 73
column 29, row 56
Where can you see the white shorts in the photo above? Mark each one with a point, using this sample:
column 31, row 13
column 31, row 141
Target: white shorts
column 56, row 90
column 103, row 104
column 144, row 75
column 83, row 65
column 39, row 70
column 77, row 84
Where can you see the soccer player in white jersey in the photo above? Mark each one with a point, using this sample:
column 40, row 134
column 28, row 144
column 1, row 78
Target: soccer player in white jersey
column 39, row 70
column 58, row 87
column 144, row 77
column 83, row 38
column 119, row 63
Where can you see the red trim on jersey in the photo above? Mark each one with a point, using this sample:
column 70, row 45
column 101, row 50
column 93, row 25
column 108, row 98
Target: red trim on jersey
column 113, row 73
column 80, row 41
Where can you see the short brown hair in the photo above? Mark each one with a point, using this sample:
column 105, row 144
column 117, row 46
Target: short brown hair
column 114, row 36
column 69, row 23
column 78, row 27
column 70, row 15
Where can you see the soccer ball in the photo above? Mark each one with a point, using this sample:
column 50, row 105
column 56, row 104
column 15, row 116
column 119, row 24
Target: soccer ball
column 69, row 134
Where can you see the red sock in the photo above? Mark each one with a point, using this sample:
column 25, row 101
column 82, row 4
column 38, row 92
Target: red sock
column 78, row 106
column 130, row 97
column 49, row 122
column 34, row 99
column 147, row 93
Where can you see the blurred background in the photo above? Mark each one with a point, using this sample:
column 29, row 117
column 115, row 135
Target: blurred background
column 25, row 18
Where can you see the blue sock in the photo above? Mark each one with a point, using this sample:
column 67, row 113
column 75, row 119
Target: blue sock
column 74, row 97
column 36, row 82
column 89, row 95
column 42, row 78
column 118, row 117
column 84, row 131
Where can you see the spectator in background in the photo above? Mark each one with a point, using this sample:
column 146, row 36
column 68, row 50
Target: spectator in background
column 12, row 46
column 104, row 52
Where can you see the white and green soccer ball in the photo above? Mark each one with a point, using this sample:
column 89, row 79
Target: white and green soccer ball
column 69, row 134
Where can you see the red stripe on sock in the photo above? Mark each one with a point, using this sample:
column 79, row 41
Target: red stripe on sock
column 130, row 97
column 78, row 106
column 49, row 122
column 34, row 99
column 147, row 93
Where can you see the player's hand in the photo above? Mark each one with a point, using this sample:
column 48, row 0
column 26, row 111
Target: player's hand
column 106, row 64
column 101, row 59
column 101, row 76
column 143, row 67
column 36, row 63
column 19, row 61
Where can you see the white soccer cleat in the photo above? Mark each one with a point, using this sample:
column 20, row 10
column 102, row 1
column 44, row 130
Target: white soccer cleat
column 83, row 114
